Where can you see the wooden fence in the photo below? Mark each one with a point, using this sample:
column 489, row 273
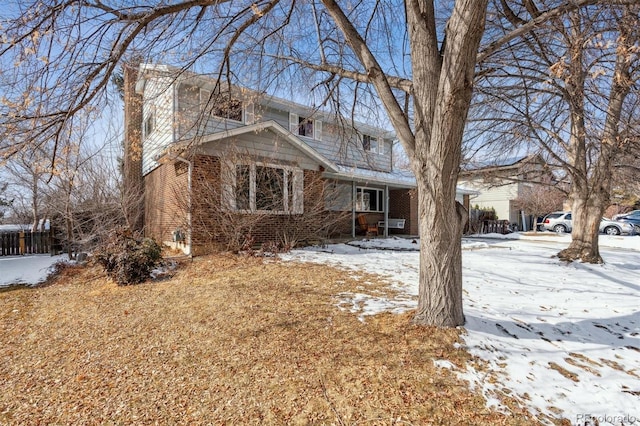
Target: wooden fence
column 495, row 227
column 25, row 242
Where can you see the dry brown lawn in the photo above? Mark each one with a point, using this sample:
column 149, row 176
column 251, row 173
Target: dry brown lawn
column 226, row 340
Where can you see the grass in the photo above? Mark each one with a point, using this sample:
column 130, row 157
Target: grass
column 226, row 340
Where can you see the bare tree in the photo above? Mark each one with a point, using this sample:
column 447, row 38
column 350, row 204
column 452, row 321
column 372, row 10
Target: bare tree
column 4, row 202
column 29, row 170
column 418, row 65
column 539, row 199
column 565, row 91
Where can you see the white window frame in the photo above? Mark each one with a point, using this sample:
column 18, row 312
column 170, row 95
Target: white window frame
column 149, row 122
column 204, row 95
column 295, row 173
column 362, row 201
column 294, row 126
column 248, row 110
column 376, row 144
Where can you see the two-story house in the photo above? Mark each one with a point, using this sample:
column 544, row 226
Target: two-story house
column 260, row 155
column 498, row 185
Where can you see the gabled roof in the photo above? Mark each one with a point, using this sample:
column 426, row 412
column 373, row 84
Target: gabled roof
column 256, row 128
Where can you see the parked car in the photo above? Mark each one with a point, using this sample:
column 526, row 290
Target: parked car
column 560, row 222
column 614, row 227
column 632, row 217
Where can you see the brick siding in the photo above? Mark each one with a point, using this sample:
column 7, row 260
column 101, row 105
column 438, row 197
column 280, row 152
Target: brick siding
column 165, row 201
column 403, row 204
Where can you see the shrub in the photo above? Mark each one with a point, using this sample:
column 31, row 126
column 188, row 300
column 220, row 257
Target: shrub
column 128, row 258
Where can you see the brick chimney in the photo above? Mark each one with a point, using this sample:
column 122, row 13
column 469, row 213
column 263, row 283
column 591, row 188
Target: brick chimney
column 133, row 183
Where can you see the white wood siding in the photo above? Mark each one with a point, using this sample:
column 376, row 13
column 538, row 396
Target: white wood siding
column 178, row 118
column 335, row 144
column 158, row 99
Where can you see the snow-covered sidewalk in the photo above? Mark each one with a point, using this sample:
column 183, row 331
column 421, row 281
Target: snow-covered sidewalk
column 562, row 339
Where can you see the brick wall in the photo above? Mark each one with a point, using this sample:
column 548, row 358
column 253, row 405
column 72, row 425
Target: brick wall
column 214, row 226
column 403, row 204
column 165, row 201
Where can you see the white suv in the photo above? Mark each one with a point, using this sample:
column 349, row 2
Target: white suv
column 559, row 222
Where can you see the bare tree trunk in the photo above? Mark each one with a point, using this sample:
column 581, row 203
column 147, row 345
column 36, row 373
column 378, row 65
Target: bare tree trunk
column 591, row 188
column 442, row 99
column 442, row 87
column 35, row 211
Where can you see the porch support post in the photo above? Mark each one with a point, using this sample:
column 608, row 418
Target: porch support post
column 353, row 209
column 386, row 211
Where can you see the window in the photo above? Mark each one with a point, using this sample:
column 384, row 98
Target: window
column 223, row 105
column 302, row 126
column 369, row 200
column 373, row 144
column 149, row 123
column 243, row 187
column 268, row 188
column 366, row 142
column 193, row 99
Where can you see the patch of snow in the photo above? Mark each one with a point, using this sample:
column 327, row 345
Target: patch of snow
column 561, row 339
column 443, row 363
column 27, row 270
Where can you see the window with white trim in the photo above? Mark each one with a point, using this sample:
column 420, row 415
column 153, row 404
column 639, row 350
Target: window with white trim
column 369, row 199
column 303, row 126
column 149, row 124
column 373, row 144
column 259, row 187
column 194, row 99
column 249, row 113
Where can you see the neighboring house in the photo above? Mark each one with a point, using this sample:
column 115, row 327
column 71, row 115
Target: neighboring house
column 250, row 150
column 499, row 184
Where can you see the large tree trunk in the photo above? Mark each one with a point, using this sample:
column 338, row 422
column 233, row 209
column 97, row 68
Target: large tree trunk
column 442, row 87
column 441, row 223
column 442, row 95
column 585, row 220
column 591, row 186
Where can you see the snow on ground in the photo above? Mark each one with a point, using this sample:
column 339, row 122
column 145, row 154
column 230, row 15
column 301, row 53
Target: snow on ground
column 562, row 339
column 29, row 270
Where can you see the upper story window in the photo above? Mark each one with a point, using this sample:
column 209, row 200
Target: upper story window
column 373, row 144
column 149, row 123
column 303, row 126
column 196, row 100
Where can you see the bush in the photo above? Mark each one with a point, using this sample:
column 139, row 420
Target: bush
column 128, row 258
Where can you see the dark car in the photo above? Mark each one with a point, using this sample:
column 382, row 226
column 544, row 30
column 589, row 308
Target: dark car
column 632, row 217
